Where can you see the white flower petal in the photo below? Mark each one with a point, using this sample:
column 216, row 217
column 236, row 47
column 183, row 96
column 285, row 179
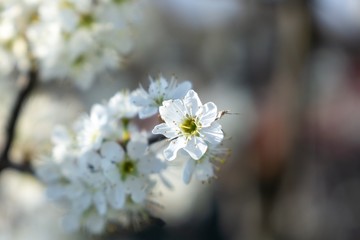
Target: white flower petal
column 140, row 98
column 209, row 113
column 74, row 190
column 71, row 222
column 181, row 90
column 112, row 151
column 165, row 130
column 137, row 191
column 70, row 168
column 82, row 203
column 94, row 223
column 146, row 112
column 166, row 182
column 48, row 172
column 150, row 164
column 213, row 134
column 60, row 135
column 138, row 196
column 116, row 196
column 196, row 147
column 136, row 149
column 110, row 171
column 121, row 106
column 192, row 102
column 115, row 100
column 96, row 180
column 204, row 170
column 55, row 191
column 174, row 146
column 100, row 202
column 90, row 161
column 158, row 87
column 159, row 91
column 98, row 115
column 172, row 112
column 188, row 170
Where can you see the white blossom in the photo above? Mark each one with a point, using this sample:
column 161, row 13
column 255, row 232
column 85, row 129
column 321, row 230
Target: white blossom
column 120, row 106
column 92, row 221
column 84, row 42
column 159, row 91
column 131, row 172
column 63, row 143
column 96, row 172
column 73, row 40
column 94, row 128
column 189, row 125
column 103, row 169
column 17, row 19
column 205, row 168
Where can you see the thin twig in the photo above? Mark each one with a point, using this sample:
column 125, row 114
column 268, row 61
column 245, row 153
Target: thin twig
column 26, row 88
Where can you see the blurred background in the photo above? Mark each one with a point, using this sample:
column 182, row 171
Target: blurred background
column 289, row 70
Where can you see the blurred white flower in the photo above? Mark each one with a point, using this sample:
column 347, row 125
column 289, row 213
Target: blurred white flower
column 189, row 125
column 94, row 128
column 85, row 190
column 17, row 18
column 104, row 169
column 66, row 39
column 346, row 24
column 204, row 168
column 131, row 171
column 87, row 41
column 92, row 221
column 63, row 142
column 159, row 91
column 120, row 106
column 97, row 173
column 103, row 183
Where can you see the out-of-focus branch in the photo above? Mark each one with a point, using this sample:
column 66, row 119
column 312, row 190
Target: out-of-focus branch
column 27, row 85
column 155, row 138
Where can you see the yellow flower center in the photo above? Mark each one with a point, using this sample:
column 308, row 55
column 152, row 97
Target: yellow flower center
column 34, row 17
column 190, row 126
column 158, row 101
column 126, row 168
column 79, row 60
column 86, row 20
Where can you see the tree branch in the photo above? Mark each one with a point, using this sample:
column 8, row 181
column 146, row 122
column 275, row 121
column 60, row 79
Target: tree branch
column 155, row 138
column 26, row 88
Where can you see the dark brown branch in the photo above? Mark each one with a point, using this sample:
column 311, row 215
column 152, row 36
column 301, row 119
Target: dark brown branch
column 20, row 167
column 26, row 88
column 155, row 138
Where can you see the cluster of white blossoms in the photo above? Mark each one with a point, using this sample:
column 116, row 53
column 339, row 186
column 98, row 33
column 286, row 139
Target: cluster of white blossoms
column 66, row 39
column 17, row 18
column 105, row 168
